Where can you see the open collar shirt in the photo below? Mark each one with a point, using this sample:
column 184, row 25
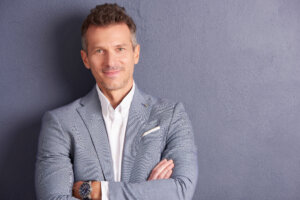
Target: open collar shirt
column 115, row 122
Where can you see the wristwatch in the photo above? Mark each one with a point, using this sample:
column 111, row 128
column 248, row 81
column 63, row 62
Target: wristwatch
column 85, row 190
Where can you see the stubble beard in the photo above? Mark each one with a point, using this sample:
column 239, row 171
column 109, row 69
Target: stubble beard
column 115, row 86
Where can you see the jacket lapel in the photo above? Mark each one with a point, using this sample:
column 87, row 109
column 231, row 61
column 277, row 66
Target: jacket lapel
column 91, row 114
column 138, row 116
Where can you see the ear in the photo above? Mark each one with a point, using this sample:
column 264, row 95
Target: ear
column 136, row 54
column 84, row 58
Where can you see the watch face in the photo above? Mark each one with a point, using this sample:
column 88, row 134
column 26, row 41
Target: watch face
column 84, row 189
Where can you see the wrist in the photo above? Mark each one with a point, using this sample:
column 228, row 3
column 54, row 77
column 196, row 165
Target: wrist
column 96, row 193
column 85, row 189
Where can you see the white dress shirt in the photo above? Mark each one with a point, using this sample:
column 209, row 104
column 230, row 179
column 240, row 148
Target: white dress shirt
column 115, row 122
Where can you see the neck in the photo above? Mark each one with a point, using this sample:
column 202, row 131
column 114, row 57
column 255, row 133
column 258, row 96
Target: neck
column 115, row 97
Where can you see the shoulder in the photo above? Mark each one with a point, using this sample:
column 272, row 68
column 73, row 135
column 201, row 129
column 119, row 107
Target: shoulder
column 69, row 110
column 163, row 107
column 65, row 109
column 63, row 114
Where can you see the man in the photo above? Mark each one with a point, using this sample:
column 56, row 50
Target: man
column 116, row 142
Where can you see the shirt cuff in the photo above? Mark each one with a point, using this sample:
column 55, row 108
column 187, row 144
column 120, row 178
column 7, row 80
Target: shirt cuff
column 104, row 190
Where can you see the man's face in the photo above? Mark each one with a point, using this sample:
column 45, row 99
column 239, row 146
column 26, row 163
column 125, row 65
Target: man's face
column 110, row 56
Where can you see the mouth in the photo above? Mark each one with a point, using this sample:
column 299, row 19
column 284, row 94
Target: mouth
column 112, row 73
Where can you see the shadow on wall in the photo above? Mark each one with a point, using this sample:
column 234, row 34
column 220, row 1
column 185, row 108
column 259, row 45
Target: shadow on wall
column 74, row 75
column 18, row 164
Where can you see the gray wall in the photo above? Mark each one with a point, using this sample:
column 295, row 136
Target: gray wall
column 234, row 64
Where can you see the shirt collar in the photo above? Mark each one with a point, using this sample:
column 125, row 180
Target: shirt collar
column 122, row 108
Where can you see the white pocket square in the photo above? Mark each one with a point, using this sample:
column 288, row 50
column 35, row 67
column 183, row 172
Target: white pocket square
column 151, row 130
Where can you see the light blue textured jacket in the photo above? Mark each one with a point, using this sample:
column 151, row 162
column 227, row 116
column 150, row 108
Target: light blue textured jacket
column 73, row 146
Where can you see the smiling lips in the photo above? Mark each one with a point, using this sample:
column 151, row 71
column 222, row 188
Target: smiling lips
column 111, row 73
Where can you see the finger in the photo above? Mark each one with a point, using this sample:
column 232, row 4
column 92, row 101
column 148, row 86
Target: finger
column 161, row 163
column 165, row 172
column 159, row 174
column 168, row 174
column 158, row 170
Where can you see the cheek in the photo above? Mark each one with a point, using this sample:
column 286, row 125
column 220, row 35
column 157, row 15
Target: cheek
column 94, row 72
column 128, row 61
column 95, row 63
column 96, row 68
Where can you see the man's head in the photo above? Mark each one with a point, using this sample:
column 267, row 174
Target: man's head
column 110, row 49
column 105, row 15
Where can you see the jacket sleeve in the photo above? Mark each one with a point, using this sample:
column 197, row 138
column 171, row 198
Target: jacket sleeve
column 53, row 173
column 180, row 147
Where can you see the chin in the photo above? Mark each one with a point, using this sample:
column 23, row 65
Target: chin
column 115, row 86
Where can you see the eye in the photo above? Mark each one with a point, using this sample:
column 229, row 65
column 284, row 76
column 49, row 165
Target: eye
column 120, row 49
column 99, row 51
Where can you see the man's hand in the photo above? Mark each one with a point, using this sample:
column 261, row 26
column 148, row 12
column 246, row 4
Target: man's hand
column 163, row 170
column 96, row 190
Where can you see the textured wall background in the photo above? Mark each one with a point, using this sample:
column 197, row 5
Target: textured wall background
column 234, row 64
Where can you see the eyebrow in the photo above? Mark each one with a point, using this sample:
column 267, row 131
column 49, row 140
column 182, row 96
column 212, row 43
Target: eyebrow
column 117, row 45
column 121, row 45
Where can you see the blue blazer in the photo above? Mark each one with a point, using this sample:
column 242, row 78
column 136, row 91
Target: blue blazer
column 73, row 145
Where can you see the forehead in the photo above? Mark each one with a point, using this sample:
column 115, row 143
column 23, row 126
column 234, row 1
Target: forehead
column 107, row 35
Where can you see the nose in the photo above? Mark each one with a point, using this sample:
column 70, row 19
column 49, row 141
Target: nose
column 110, row 59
